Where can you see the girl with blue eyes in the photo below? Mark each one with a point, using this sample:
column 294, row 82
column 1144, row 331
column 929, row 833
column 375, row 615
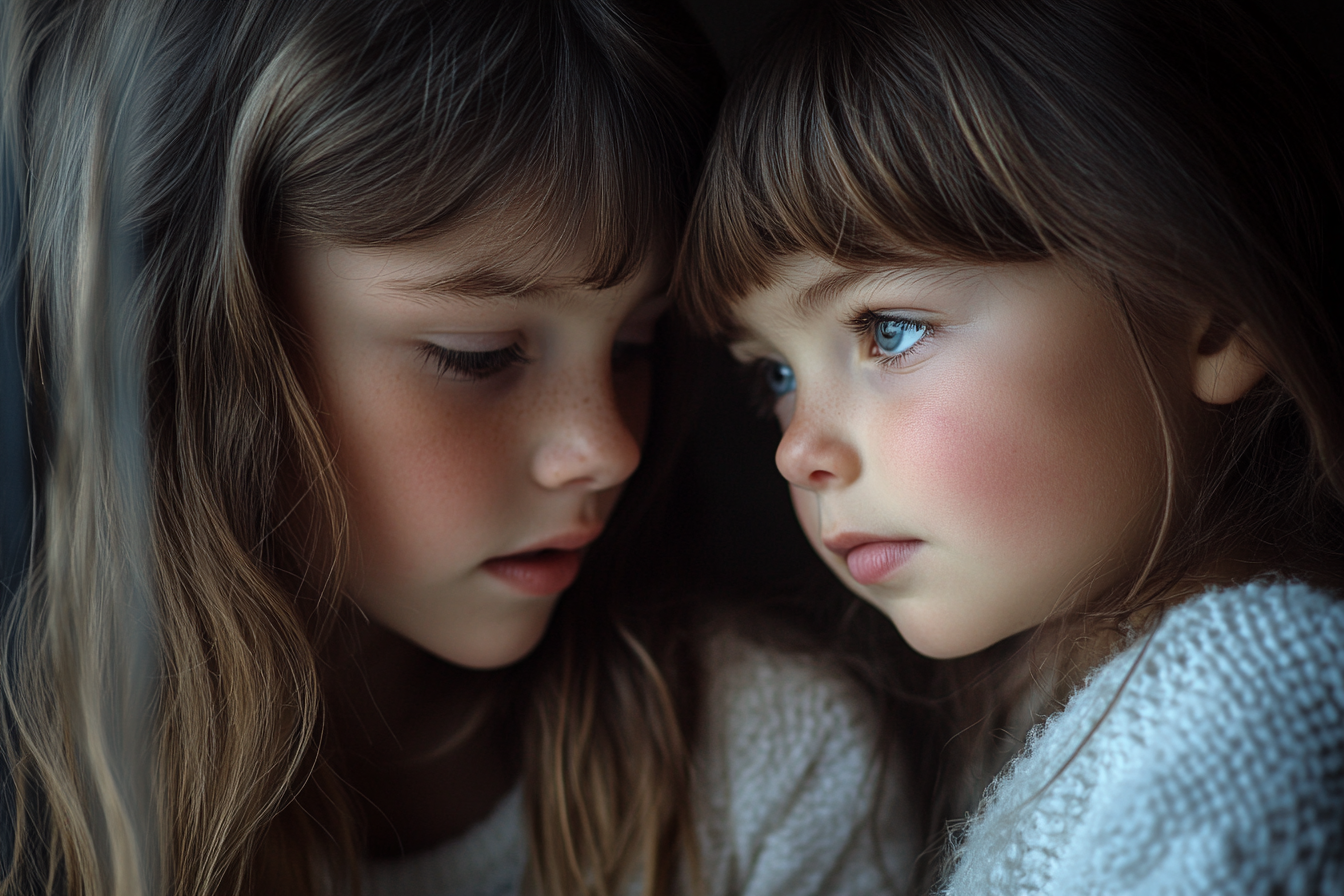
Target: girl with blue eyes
column 344, row 332
column 1046, row 297
column 892, row 339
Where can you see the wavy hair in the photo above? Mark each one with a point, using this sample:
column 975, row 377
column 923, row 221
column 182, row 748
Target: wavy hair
column 1179, row 155
column 162, row 680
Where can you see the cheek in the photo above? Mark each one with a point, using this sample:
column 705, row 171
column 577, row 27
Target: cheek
column 993, row 478
column 1033, row 459
column 424, row 475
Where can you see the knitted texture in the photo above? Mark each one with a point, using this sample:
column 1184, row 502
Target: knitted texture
column 1215, row 763
column 785, row 785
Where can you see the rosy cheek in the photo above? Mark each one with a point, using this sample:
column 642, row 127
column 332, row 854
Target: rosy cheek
column 422, row 474
column 1020, row 470
column 977, row 475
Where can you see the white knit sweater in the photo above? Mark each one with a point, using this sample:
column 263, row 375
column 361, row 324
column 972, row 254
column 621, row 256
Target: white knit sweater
column 785, row 779
column 1219, row 767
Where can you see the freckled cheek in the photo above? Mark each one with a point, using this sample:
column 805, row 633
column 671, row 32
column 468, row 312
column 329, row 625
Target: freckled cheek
column 426, row 473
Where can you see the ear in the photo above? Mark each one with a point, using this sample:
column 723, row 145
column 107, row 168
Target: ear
column 1225, row 364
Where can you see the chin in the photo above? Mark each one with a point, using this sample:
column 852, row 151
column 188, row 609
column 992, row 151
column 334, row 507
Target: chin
column 934, row 634
column 493, row 645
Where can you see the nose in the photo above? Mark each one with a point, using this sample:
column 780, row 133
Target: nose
column 813, row 453
column 586, row 440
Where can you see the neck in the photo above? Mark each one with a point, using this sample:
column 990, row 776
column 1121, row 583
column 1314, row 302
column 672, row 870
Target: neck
column 424, row 752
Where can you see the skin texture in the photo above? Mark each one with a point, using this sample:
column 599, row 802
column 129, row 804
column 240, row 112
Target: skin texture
column 1012, row 452
column 446, row 471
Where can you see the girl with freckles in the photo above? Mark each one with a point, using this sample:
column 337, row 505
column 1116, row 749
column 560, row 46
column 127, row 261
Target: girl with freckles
column 1047, row 300
column 345, row 346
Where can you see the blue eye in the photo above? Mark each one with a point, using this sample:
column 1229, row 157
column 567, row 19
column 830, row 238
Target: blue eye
column 894, row 337
column 769, row 383
column 779, row 378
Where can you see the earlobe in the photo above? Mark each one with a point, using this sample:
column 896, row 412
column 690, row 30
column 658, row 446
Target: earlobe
column 1226, row 367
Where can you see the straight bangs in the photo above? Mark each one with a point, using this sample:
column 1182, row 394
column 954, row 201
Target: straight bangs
column 546, row 126
column 860, row 142
column 892, row 134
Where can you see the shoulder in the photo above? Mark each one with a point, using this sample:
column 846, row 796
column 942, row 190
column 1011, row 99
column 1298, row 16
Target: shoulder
column 789, row 702
column 1206, row 757
column 776, row 722
column 794, row 798
column 1230, row 747
column 1256, row 668
column 1271, row 624
column 1232, row 659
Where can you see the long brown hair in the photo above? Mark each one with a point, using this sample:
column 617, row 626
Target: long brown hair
column 163, row 681
column 1179, row 154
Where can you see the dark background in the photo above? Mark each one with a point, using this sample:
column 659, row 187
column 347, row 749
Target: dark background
column 1318, row 25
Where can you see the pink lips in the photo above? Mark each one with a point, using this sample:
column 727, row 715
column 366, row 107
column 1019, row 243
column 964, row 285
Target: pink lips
column 872, row 560
column 545, row 569
column 538, row 573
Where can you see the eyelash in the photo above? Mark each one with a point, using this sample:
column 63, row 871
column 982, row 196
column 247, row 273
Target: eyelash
column 865, row 324
column 472, row 366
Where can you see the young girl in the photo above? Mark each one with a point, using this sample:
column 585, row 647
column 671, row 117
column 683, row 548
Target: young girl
column 341, row 322
column 1046, row 298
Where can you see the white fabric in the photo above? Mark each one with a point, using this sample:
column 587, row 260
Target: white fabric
column 1218, row 768
column 785, row 780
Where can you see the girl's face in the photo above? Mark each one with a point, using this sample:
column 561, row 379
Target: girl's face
column 966, row 447
column 483, row 425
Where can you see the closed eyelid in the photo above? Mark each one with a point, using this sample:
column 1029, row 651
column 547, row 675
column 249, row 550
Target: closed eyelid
column 472, row 366
column 472, row 343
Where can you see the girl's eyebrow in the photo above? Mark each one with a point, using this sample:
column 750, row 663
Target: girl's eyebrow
column 827, row 290
column 476, row 284
column 488, row 283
